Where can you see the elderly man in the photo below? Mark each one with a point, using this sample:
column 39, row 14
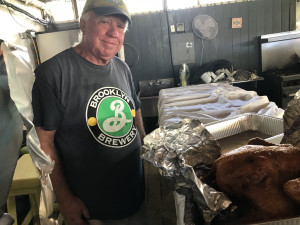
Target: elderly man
column 87, row 116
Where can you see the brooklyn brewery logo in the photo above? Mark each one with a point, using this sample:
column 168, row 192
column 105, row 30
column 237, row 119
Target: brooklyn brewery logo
column 110, row 117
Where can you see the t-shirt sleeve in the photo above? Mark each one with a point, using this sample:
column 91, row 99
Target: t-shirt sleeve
column 46, row 104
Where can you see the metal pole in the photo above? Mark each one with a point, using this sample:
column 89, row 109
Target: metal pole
column 75, row 9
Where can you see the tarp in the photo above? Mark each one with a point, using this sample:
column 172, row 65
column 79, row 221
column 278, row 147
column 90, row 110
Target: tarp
column 11, row 137
column 20, row 68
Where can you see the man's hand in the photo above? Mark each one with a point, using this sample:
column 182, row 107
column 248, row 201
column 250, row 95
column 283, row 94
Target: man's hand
column 74, row 212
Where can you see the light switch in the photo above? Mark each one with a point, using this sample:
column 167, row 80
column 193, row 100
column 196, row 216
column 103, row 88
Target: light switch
column 172, row 28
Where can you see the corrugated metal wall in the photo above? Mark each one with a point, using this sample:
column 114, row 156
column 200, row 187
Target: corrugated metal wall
column 150, row 35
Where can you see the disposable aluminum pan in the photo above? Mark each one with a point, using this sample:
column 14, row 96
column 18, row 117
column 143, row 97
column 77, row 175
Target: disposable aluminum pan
column 271, row 126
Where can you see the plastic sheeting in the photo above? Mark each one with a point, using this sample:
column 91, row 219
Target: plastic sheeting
column 20, row 80
column 211, row 102
column 10, row 139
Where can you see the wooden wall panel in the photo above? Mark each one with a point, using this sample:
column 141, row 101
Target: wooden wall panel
column 158, row 46
column 167, row 62
column 292, row 13
column 151, row 36
column 268, row 11
column 260, row 18
column 284, row 15
column 244, row 38
column 150, row 43
column 188, row 17
column 132, row 35
column 221, row 27
column 236, row 36
column 213, row 44
column 227, row 35
column 276, row 16
column 253, row 52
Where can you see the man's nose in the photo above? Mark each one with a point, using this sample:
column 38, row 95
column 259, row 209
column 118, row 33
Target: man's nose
column 113, row 31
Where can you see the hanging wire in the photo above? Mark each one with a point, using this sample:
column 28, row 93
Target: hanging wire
column 14, row 17
column 9, row 5
column 202, row 50
column 35, row 46
column 28, row 35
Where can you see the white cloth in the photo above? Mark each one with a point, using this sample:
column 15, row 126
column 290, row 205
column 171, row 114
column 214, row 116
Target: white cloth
column 211, row 102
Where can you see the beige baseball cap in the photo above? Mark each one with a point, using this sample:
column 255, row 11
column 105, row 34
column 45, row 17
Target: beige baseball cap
column 107, row 7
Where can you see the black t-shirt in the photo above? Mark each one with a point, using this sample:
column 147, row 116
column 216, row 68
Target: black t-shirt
column 92, row 108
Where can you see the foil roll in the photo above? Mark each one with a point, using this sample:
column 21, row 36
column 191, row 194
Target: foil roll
column 185, row 152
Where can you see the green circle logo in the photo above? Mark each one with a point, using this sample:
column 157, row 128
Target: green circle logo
column 116, row 116
column 110, row 117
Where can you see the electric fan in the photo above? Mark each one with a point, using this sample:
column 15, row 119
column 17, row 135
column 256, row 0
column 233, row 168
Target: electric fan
column 205, row 27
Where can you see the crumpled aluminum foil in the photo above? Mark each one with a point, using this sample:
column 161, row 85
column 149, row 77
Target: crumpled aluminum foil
column 45, row 166
column 184, row 152
column 291, row 122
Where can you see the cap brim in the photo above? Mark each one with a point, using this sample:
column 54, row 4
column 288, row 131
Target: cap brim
column 105, row 11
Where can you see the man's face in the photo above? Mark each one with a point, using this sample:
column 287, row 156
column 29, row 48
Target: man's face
column 103, row 36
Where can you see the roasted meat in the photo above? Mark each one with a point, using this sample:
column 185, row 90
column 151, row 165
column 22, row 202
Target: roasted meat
column 264, row 177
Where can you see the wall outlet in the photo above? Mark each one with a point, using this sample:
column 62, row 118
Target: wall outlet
column 180, row 27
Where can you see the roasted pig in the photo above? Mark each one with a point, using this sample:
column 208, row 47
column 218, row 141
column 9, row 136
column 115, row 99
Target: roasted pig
column 265, row 178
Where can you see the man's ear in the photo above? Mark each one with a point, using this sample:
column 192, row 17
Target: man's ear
column 82, row 25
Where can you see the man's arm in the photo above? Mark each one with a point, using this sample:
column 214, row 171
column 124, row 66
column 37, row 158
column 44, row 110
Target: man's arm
column 140, row 125
column 71, row 207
